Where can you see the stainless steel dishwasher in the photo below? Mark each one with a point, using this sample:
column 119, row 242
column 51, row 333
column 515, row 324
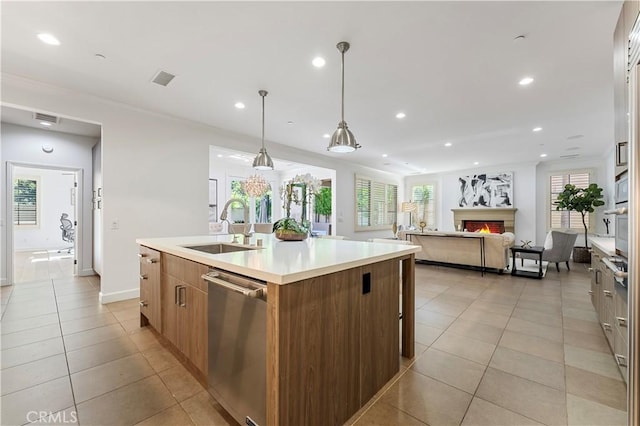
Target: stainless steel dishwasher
column 237, row 345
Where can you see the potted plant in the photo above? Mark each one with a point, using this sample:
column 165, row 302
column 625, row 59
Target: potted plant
column 583, row 201
column 288, row 228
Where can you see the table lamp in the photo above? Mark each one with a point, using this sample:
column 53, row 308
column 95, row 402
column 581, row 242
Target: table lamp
column 409, row 207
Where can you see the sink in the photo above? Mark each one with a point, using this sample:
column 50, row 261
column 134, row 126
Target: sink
column 218, row 248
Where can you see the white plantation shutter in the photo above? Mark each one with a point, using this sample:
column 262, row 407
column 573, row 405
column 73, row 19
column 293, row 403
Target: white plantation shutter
column 376, row 204
column 363, row 201
column 562, row 219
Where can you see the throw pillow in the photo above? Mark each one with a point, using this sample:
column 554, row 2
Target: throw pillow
column 548, row 242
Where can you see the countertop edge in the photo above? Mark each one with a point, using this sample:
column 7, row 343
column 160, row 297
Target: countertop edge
column 605, row 245
column 275, row 278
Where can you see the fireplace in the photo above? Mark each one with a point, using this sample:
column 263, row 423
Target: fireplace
column 488, row 226
column 485, row 215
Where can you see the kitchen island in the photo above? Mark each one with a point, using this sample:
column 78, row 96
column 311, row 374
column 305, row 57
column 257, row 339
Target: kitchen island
column 332, row 335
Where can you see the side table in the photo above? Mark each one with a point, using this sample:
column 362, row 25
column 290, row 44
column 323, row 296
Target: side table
column 532, row 250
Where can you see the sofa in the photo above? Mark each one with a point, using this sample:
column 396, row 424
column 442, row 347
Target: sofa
column 463, row 248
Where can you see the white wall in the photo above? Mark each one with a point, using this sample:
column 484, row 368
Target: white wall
column 447, row 188
column 97, row 208
column 24, row 145
column 54, row 198
column 155, row 172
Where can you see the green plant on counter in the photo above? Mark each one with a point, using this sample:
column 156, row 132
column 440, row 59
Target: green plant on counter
column 289, row 225
column 581, row 200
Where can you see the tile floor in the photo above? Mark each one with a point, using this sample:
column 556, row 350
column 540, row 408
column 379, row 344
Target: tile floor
column 492, row 350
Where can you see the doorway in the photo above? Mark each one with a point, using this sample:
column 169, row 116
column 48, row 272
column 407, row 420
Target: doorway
column 43, row 213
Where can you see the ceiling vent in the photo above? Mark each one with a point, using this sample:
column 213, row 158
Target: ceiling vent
column 162, row 78
column 46, row 118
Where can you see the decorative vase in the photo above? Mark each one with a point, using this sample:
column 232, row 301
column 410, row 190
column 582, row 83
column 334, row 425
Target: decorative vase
column 288, row 235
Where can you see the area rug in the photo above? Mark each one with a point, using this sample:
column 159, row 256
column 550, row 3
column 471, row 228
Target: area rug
column 529, row 265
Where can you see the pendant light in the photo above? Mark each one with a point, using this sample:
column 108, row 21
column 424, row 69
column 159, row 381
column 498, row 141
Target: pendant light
column 262, row 160
column 342, row 139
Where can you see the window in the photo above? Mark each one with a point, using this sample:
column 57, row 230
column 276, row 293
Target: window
column 563, row 219
column 25, row 202
column 263, row 204
column 424, row 197
column 376, row 204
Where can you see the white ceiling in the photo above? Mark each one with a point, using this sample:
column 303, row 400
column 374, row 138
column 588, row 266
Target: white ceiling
column 27, row 118
column 452, row 67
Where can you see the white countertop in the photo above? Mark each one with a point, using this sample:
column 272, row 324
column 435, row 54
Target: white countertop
column 282, row 262
column 606, row 245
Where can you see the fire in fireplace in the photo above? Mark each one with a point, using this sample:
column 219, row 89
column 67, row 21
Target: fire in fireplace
column 487, row 226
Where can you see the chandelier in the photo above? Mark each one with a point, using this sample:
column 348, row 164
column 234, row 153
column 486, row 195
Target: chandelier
column 256, row 186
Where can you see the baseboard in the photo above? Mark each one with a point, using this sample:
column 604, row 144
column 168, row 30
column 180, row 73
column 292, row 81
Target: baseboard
column 86, row 272
column 117, row 296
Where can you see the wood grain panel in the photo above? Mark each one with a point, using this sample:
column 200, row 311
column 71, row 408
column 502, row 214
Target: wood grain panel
column 169, row 308
column 408, row 306
column 193, row 272
column 195, row 328
column 173, row 265
column 313, row 350
column 379, row 336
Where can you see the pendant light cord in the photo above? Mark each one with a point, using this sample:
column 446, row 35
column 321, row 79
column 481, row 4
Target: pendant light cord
column 342, row 112
column 263, row 121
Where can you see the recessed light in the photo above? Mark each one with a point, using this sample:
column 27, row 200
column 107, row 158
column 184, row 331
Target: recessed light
column 543, row 155
column 290, row 122
column 475, row 163
column 47, row 148
column 386, row 164
column 49, row 39
column 575, row 137
column 239, row 105
column 219, row 155
column 537, row 129
column 100, row 56
column 448, row 144
column 385, row 155
column 525, row 81
column 318, row 62
column 326, row 136
column 44, row 123
column 401, row 115
column 521, row 37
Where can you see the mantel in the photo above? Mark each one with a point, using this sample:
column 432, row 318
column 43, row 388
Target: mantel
column 506, row 214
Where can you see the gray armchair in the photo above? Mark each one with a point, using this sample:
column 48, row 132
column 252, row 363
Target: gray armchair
column 562, row 245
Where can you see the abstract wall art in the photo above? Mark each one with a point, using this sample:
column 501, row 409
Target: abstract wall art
column 486, row 190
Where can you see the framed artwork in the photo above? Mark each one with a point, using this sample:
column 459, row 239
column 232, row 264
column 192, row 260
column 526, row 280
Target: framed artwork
column 486, row 190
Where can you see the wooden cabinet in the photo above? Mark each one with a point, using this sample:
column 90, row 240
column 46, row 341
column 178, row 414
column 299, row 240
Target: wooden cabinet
column 338, row 331
column 150, row 300
column 621, row 336
column 184, row 309
column 611, row 306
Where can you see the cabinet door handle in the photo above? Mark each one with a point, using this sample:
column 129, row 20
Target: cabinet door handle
column 152, row 260
column 598, row 272
column 143, row 277
column 607, row 293
column 622, row 322
column 175, row 294
column 143, row 304
column 141, row 255
column 621, row 360
column 606, row 326
column 182, row 296
column 590, row 269
column 590, row 292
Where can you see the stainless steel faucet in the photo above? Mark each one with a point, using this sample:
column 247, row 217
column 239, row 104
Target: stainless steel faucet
column 224, row 214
